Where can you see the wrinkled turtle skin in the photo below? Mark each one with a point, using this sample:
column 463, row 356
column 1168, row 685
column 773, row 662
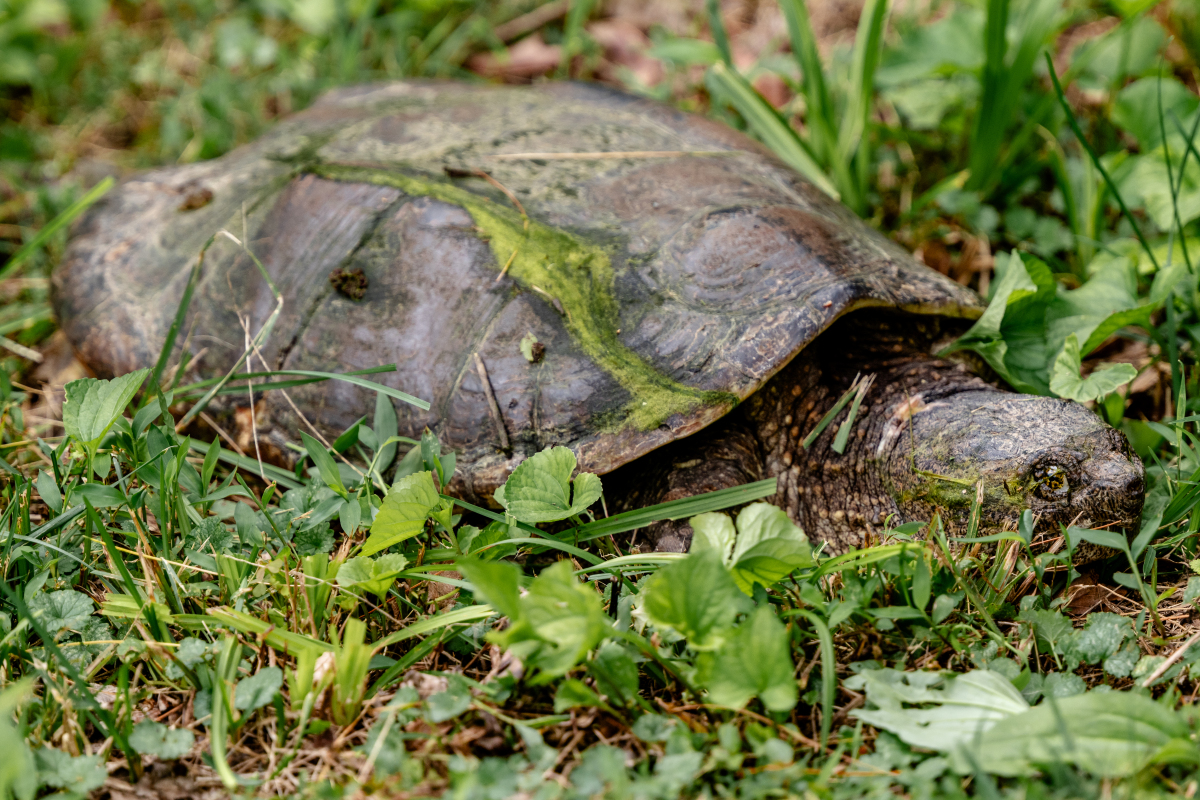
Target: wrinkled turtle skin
column 668, row 278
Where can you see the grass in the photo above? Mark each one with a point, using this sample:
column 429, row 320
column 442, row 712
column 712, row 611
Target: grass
column 171, row 610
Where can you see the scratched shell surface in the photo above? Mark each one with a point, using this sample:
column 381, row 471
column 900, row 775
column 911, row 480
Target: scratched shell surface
column 719, row 262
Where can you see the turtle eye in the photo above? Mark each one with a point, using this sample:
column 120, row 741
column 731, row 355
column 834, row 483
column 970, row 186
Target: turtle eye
column 1052, row 483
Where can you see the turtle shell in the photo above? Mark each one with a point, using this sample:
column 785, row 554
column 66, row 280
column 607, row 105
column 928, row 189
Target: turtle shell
column 666, row 265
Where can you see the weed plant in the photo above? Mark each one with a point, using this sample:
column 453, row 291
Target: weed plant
column 174, row 611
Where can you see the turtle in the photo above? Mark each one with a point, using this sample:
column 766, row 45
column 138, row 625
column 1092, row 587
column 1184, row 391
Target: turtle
column 565, row 264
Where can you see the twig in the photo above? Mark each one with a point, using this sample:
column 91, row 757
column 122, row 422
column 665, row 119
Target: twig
column 212, row 423
column 519, row 26
column 1171, row 659
column 316, row 433
column 250, row 349
column 604, row 155
column 455, row 172
column 21, row 350
column 492, row 404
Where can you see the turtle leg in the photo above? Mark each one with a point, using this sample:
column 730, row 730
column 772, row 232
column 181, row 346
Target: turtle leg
column 726, row 455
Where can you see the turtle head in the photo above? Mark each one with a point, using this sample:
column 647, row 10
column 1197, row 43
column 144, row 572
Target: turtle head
column 1052, row 456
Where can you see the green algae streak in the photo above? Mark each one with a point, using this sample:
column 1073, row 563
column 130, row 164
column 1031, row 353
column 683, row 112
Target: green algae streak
column 579, row 275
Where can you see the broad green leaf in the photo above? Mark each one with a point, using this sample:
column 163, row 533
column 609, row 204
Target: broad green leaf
column 713, row 531
column 450, row 703
column 755, row 661
column 496, row 582
column 921, row 583
column 1053, row 629
column 386, row 426
column 91, row 406
column 1098, row 309
column 1136, row 109
column 18, row 772
column 1010, row 335
column 210, row 536
column 79, row 774
column 1103, row 637
column 944, row 604
column 350, row 515
column 62, row 610
column 309, row 541
column 1065, row 380
column 695, row 597
column 539, row 489
column 1110, row 734
column 1191, row 591
column 769, row 547
column 558, row 621
column 324, row 463
column 258, row 690
column 936, row 711
column 155, row 739
column 1114, row 541
column 48, row 490
column 654, row 727
column 372, row 575
column 249, row 525
column 1142, row 182
column 99, row 495
column 616, row 673
column 403, row 513
column 574, row 693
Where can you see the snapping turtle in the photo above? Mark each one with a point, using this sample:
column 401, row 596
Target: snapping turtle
column 686, row 291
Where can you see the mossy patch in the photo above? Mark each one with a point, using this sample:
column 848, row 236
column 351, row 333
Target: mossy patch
column 558, row 267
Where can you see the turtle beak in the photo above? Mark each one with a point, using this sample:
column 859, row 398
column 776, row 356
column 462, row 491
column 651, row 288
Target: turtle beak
column 1114, row 490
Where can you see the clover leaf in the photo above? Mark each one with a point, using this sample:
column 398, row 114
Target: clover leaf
column 754, row 661
column 310, row 541
column 403, row 513
column 768, row 546
column 62, row 610
column 695, row 597
column 155, row 739
column 1066, row 382
column 374, row 575
column 80, row 774
column 258, row 690
column 540, row 488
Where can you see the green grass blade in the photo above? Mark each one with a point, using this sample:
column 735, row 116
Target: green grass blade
column 457, row 617
column 843, row 435
column 819, row 114
column 675, row 509
column 54, row 226
column 192, row 389
column 828, row 671
column 185, row 302
column 719, row 34
column 357, row 381
column 648, row 560
column 273, row 473
column 1003, row 87
column 807, row 442
column 769, row 126
column 852, row 132
column 1112, row 187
